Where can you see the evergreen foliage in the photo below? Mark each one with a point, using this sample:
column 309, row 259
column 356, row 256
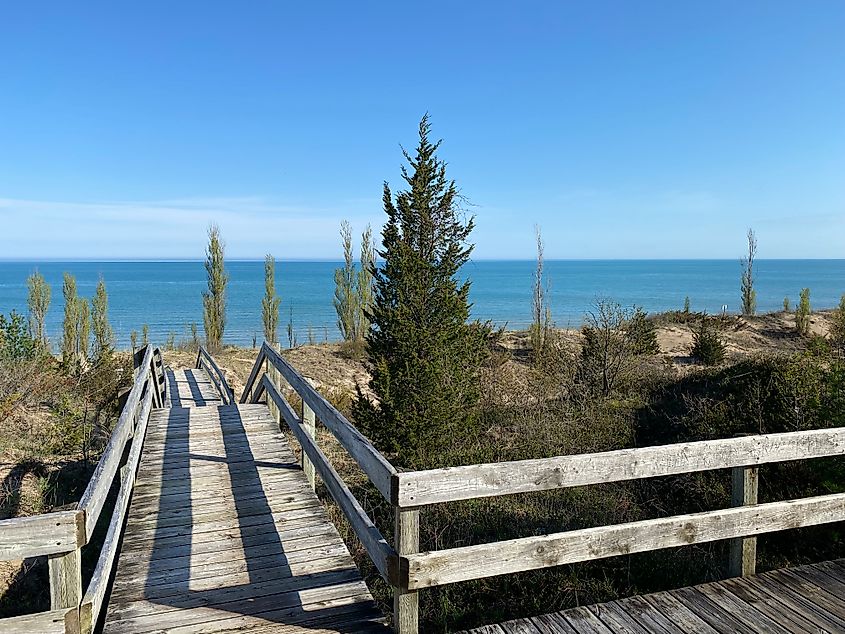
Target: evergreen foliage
column 707, row 346
column 802, row 313
column 749, row 295
column 145, row 335
column 642, row 333
column 103, row 334
column 16, row 343
column 83, row 343
column 364, row 285
column 38, row 302
column 214, row 300
column 424, row 357
column 686, row 305
column 270, row 302
column 786, row 304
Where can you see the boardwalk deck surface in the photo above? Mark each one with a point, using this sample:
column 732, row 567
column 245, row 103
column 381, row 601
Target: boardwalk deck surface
column 791, row 601
column 225, row 535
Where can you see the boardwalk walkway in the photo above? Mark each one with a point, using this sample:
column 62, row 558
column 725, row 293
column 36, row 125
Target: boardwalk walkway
column 791, row 601
column 224, row 533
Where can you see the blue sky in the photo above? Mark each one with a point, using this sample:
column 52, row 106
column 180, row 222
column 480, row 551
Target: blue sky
column 626, row 130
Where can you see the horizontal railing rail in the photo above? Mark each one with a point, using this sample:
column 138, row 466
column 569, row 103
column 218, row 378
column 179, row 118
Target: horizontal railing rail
column 206, row 362
column 62, row 535
column 409, row 570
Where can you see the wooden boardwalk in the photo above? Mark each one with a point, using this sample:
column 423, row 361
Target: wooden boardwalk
column 224, row 533
column 791, row 601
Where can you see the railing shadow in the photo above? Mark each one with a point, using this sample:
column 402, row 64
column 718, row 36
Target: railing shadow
column 203, row 536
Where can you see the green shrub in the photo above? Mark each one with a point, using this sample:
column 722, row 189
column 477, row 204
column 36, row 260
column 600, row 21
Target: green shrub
column 802, row 313
column 707, row 346
column 837, row 325
column 38, row 301
column 214, row 300
column 642, row 333
column 16, row 343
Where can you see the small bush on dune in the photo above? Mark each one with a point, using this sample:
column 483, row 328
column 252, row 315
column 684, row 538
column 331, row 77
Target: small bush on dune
column 707, row 346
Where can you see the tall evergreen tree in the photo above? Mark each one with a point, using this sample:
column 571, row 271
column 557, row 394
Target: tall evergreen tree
column 214, row 300
column 364, row 284
column 38, row 301
column 103, row 334
column 423, row 355
column 270, row 302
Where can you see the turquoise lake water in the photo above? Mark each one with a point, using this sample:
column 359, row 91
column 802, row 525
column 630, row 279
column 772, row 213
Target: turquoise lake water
column 168, row 295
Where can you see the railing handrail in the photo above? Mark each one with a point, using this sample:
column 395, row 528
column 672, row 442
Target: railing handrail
column 409, row 570
column 206, row 362
column 377, row 468
column 62, row 534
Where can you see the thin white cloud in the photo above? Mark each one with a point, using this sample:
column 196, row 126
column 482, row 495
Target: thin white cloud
column 251, row 226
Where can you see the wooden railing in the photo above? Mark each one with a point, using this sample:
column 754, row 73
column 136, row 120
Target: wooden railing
column 62, row 535
column 206, row 362
column 409, row 571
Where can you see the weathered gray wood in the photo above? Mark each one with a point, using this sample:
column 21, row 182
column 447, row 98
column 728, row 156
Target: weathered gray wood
column 376, row 466
column 95, row 494
column 530, row 553
column 743, row 550
column 416, row 488
column 720, row 619
column 407, row 541
column 93, row 600
column 380, row 552
column 748, row 614
column 52, row 622
column 309, row 423
column 45, row 534
column 684, row 619
column 253, row 383
column 65, row 579
column 205, row 360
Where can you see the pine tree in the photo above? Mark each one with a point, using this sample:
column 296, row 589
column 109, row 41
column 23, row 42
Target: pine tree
column 423, row 355
column 38, row 302
column 271, row 301
column 214, row 301
column 103, row 334
column 70, row 327
column 749, row 295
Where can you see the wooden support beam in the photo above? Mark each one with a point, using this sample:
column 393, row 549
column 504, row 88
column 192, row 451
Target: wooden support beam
column 406, row 542
column 309, row 422
column 743, row 556
column 65, row 579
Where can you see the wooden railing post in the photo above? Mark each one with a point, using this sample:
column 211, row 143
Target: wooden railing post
column 309, row 422
column 406, row 541
column 65, row 579
column 743, row 556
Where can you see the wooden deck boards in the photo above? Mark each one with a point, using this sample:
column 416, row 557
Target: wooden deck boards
column 225, row 535
column 790, row 601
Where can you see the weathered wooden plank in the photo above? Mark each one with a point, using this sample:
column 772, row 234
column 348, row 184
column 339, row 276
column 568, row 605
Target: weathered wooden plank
column 646, row 615
column 789, row 616
column 721, row 620
column 95, row 494
column 796, row 602
column 418, row 488
column 376, row 466
column 743, row 551
column 553, row 624
column 617, row 619
column 380, row 552
column 520, row 626
column 745, row 612
column 585, row 622
column 406, row 536
column 65, row 573
column 223, row 385
column 45, row 534
column 530, row 553
column 92, row 601
column 52, row 622
column 684, row 619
